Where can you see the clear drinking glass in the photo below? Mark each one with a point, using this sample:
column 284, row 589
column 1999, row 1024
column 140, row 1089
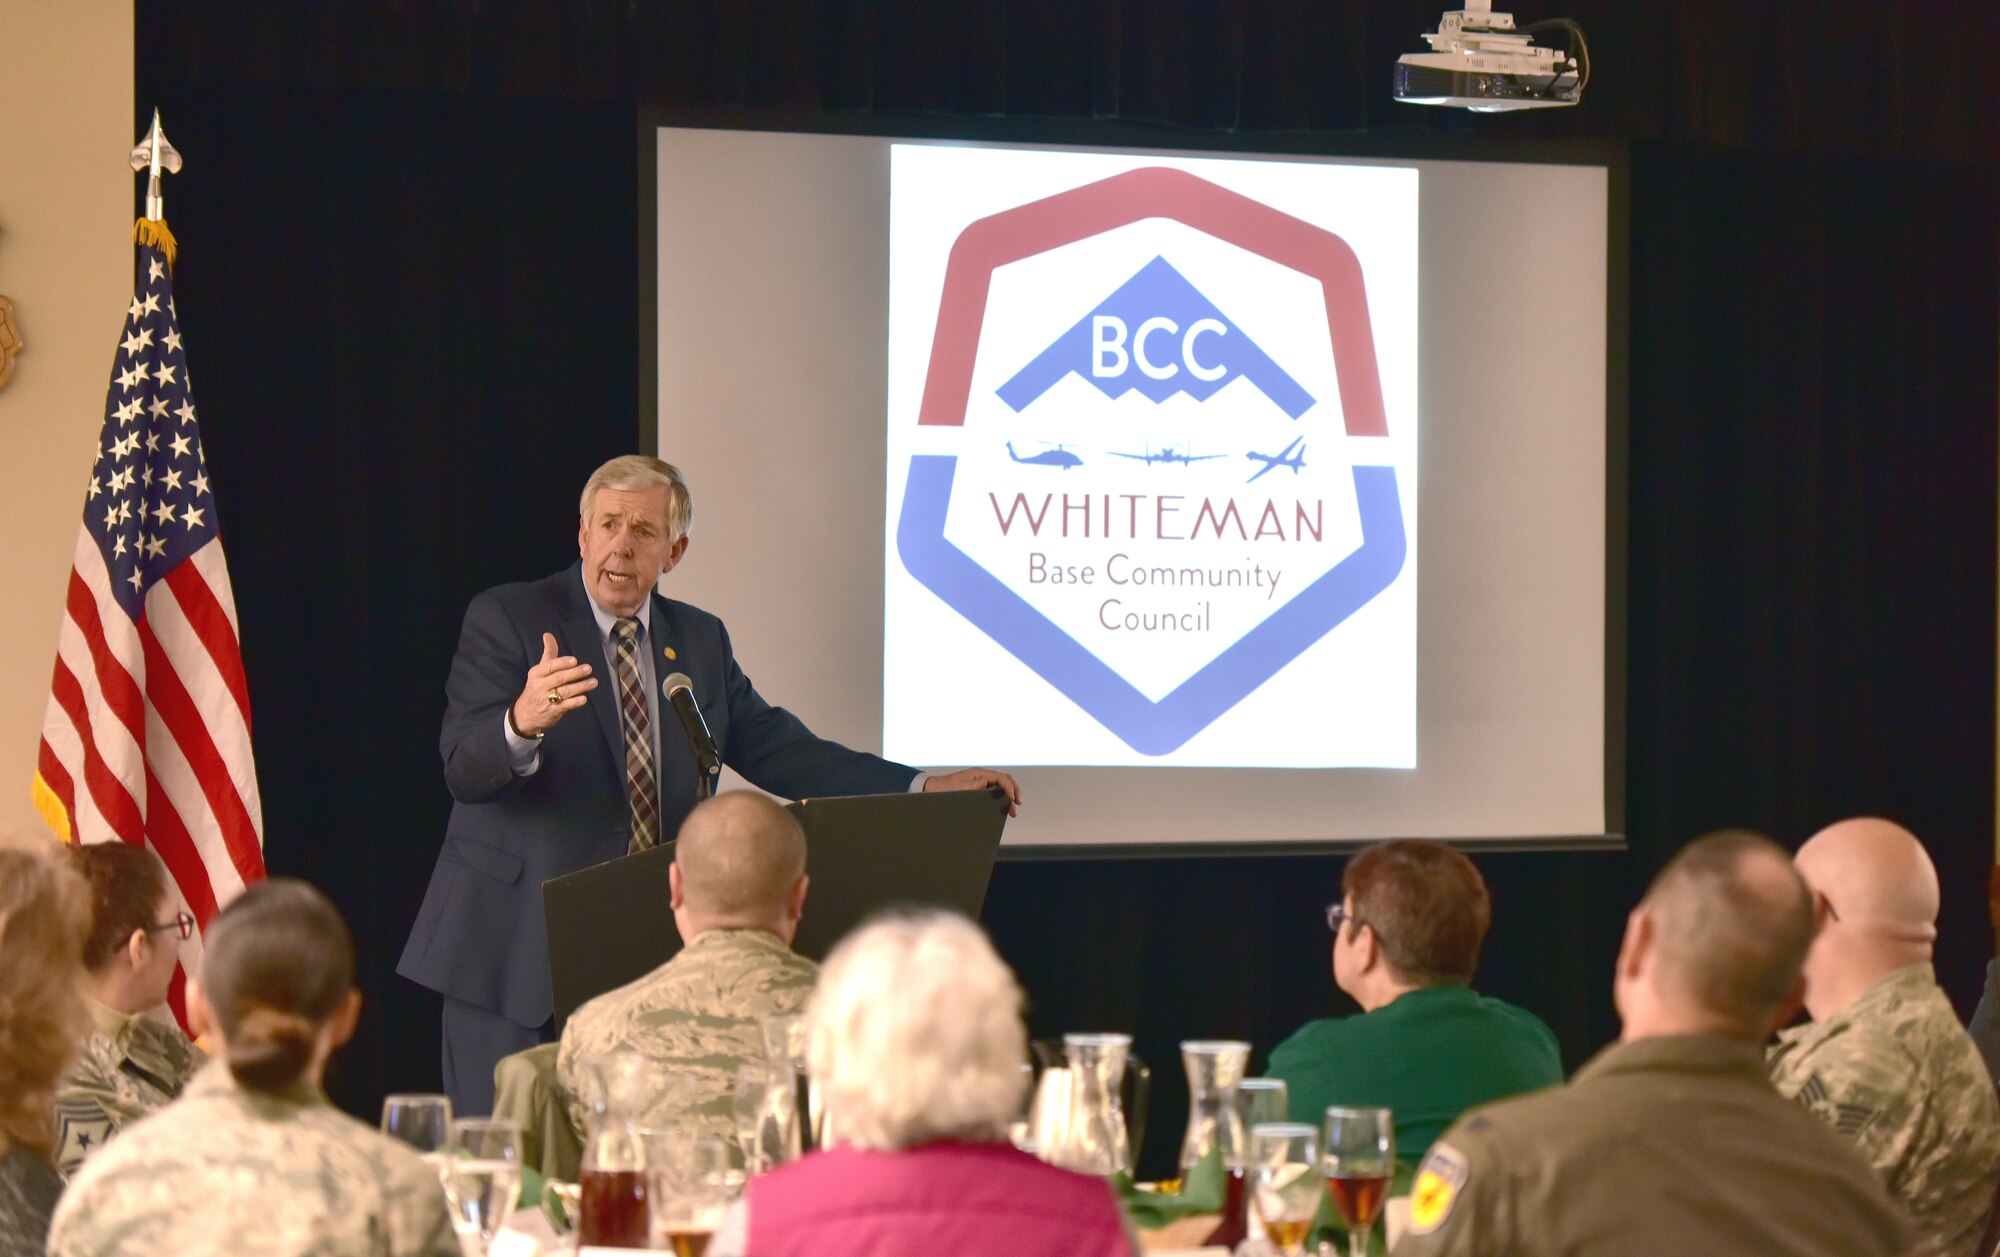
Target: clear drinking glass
column 1021, row 1131
column 767, row 1125
column 689, row 1188
column 1260, row 1101
column 784, row 1038
column 482, row 1178
column 785, row 1050
column 423, row 1122
column 1284, row 1157
column 1360, row 1160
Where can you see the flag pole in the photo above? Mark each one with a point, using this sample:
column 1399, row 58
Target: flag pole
column 155, row 155
column 146, row 736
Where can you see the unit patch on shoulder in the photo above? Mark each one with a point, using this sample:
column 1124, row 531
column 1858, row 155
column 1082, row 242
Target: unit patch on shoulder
column 1438, row 1180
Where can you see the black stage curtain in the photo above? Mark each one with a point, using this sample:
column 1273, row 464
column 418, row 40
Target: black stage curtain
column 411, row 325
column 412, row 318
column 1846, row 76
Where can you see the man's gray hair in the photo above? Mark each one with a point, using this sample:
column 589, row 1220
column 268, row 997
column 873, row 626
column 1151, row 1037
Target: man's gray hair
column 636, row 473
column 914, row 1034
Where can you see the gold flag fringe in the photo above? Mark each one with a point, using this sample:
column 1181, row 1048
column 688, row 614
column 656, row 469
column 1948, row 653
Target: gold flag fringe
column 153, row 231
column 52, row 809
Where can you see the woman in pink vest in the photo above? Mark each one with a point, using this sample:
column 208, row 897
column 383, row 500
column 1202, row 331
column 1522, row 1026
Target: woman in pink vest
column 916, row 1043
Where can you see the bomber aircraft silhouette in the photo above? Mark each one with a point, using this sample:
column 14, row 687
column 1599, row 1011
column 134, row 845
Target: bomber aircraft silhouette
column 1166, row 454
column 1283, row 458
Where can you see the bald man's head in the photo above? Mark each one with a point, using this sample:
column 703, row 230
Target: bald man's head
column 740, row 857
column 1732, row 923
column 1881, row 895
column 1875, row 876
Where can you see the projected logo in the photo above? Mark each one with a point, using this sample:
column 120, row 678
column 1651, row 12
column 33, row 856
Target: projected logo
column 1113, row 347
column 1187, row 480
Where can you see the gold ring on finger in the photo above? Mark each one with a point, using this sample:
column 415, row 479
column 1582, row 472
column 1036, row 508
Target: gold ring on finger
column 555, row 696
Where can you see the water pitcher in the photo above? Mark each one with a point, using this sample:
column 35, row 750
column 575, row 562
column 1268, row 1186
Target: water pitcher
column 1215, row 1068
column 1080, row 1119
column 619, row 1087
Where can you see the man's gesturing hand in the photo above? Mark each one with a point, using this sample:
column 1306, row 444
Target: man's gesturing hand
column 978, row 779
column 556, row 686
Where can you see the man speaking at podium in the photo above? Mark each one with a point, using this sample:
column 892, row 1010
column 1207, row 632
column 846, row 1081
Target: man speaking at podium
column 551, row 771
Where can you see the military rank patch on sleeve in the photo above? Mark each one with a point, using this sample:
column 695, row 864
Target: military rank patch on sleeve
column 81, row 1129
column 1438, row 1180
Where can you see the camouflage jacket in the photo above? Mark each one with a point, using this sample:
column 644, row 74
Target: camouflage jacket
column 29, row 1189
column 129, row 1066
column 697, row 1015
column 223, row 1170
column 1896, row 1073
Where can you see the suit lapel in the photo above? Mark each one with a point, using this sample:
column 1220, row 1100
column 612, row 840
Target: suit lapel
column 582, row 639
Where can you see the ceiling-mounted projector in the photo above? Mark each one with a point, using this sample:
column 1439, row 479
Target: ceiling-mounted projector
column 1479, row 61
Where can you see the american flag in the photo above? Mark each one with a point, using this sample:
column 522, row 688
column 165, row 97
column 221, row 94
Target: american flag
column 147, row 734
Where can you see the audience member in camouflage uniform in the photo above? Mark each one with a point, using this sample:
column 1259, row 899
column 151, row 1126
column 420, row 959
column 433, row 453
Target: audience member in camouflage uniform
column 739, row 888
column 1884, row 1060
column 252, row 1161
column 131, row 1064
column 1672, row 1140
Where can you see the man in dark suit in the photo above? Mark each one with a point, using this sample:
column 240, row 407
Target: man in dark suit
column 537, row 795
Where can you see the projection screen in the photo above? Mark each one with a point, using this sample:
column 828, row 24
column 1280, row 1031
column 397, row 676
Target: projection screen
column 1229, row 500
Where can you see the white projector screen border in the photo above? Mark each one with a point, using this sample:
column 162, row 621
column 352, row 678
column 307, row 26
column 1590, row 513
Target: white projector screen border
column 841, row 615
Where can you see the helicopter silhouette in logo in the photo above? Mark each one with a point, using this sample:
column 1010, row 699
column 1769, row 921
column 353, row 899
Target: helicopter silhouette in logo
column 1166, row 454
column 1057, row 457
column 1283, row 458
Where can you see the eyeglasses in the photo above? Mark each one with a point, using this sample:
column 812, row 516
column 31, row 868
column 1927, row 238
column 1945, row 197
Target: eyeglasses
column 1336, row 913
column 182, row 923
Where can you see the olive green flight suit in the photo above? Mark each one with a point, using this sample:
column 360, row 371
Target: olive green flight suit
column 1668, row 1145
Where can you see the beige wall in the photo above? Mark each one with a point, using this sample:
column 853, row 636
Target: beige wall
column 66, row 210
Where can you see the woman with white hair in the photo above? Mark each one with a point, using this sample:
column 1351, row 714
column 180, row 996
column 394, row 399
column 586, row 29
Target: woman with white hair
column 915, row 1039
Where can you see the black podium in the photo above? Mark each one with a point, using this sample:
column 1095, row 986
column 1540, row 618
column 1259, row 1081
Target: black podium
column 612, row 923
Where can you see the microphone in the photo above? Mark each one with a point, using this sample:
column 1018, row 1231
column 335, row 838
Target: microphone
column 679, row 692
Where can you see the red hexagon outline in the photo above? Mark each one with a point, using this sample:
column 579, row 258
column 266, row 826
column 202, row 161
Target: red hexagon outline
column 1150, row 192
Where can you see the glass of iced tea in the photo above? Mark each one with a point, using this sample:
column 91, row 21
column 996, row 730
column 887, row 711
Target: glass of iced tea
column 1283, row 1160
column 690, row 1182
column 1360, row 1149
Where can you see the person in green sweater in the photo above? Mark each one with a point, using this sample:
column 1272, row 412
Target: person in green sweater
column 1406, row 938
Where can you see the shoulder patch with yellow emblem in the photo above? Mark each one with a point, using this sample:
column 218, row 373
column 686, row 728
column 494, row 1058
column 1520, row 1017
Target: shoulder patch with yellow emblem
column 1436, row 1188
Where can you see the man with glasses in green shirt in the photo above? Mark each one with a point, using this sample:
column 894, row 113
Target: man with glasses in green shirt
column 1406, row 938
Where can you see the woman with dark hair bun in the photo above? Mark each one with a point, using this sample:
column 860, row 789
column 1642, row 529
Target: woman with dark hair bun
column 252, row 1160
column 41, row 1018
column 131, row 1064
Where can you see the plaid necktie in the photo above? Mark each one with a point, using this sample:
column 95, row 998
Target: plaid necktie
column 641, row 790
